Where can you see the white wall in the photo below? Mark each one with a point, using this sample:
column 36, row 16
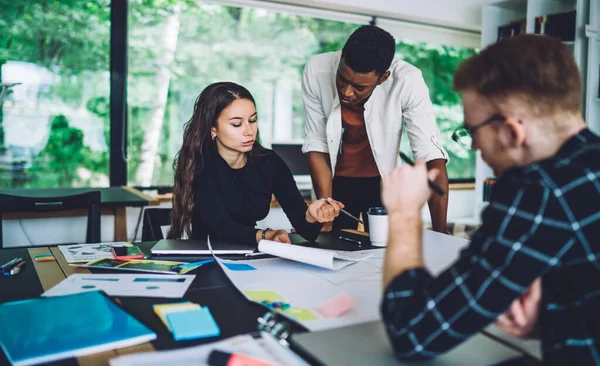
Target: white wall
column 464, row 14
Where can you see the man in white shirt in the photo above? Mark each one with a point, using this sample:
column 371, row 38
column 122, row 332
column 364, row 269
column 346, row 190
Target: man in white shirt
column 355, row 102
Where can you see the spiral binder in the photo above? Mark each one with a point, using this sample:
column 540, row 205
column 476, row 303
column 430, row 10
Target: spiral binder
column 279, row 329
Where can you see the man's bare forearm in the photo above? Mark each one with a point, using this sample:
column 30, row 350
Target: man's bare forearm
column 404, row 249
column 438, row 205
column 320, row 173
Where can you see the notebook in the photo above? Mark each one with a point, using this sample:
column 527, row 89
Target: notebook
column 48, row 329
column 370, row 346
column 198, row 247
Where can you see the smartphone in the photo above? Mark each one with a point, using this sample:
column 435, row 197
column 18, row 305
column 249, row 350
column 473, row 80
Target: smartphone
column 132, row 252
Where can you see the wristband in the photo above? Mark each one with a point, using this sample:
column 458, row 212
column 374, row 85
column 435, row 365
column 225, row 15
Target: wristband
column 264, row 233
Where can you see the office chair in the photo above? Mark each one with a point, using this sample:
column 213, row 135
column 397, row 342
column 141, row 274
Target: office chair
column 90, row 201
column 154, row 218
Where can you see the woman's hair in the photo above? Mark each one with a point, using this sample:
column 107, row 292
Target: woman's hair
column 196, row 141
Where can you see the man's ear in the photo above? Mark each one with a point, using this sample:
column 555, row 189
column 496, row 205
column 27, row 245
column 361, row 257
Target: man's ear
column 516, row 134
column 383, row 77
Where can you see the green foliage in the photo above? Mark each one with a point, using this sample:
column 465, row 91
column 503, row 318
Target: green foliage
column 65, row 151
column 254, row 47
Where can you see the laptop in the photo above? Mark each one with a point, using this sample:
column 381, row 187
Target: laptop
column 368, row 344
column 197, row 247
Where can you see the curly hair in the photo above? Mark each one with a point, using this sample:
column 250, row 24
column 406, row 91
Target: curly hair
column 368, row 49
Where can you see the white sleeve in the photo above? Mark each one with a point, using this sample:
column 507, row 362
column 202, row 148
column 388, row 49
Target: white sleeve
column 314, row 127
column 420, row 122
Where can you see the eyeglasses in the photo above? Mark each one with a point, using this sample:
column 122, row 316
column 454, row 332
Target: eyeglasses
column 464, row 134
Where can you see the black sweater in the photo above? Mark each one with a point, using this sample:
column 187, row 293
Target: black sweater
column 228, row 202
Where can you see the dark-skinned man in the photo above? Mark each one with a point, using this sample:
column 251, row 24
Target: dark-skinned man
column 356, row 102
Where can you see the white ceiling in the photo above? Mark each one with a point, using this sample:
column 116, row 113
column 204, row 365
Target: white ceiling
column 465, row 14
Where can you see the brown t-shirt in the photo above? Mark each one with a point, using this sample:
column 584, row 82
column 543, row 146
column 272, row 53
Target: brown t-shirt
column 356, row 159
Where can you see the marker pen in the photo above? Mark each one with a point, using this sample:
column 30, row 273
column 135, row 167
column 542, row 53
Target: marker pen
column 220, row 358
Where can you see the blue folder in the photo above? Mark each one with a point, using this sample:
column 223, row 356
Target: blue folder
column 53, row 328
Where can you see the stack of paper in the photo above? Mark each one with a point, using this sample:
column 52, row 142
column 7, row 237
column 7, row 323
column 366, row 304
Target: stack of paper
column 187, row 320
column 78, row 253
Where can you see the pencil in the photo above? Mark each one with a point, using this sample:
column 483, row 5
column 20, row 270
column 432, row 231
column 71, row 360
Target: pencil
column 433, row 186
column 347, row 213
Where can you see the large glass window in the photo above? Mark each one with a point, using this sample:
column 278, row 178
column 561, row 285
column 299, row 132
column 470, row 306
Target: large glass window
column 438, row 64
column 179, row 48
column 176, row 51
column 54, row 124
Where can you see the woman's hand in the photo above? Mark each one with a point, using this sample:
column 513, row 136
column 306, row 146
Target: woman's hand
column 280, row 236
column 323, row 210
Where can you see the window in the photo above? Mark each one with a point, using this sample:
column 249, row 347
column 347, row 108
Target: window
column 174, row 53
column 54, row 124
column 438, row 63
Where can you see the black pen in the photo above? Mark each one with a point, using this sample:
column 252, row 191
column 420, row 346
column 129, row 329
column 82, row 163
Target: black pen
column 351, row 240
column 347, row 213
column 433, row 186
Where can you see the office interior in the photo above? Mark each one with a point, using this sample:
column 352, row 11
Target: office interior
column 103, row 100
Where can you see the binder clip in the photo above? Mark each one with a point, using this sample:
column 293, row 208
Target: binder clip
column 279, row 329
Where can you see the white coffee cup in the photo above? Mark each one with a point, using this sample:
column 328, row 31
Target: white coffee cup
column 378, row 226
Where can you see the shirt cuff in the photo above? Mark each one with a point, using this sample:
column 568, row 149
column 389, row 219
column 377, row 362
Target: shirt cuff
column 432, row 151
column 315, row 144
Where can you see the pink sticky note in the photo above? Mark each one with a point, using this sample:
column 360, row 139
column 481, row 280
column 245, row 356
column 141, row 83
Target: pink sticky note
column 336, row 306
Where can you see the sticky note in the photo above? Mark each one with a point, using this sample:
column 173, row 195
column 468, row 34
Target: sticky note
column 162, row 310
column 300, row 314
column 193, row 324
column 239, row 267
column 259, row 296
column 336, row 306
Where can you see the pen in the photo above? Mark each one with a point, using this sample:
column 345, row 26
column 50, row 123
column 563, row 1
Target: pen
column 220, row 358
column 10, row 264
column 194, row 264
column 347, row 213
column 254, row 254
column 351, row 240
column 16, row 269
column 433, row 186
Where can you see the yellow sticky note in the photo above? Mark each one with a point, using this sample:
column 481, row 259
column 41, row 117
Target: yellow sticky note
column 263, row 296
column 162, row 310
column 300, row 314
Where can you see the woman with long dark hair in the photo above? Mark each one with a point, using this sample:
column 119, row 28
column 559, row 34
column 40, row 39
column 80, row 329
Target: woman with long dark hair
column 224, row 178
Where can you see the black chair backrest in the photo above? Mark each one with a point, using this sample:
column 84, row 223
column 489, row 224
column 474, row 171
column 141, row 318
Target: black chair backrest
column 90, row 201
column 293, row 157
column 154, row 218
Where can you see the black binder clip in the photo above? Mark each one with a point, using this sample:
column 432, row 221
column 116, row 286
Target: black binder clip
column 279, row 329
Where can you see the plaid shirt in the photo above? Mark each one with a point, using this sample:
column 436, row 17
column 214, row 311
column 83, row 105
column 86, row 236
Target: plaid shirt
column 543, row 220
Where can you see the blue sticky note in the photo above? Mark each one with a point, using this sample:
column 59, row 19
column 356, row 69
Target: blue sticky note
column 193, row 324
column 239, row 267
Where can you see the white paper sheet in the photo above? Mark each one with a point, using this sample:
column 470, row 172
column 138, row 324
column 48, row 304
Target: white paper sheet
column 306, row 286
column 171, row 286
column 266, row 349
column 330, row 259
column 77, row 253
